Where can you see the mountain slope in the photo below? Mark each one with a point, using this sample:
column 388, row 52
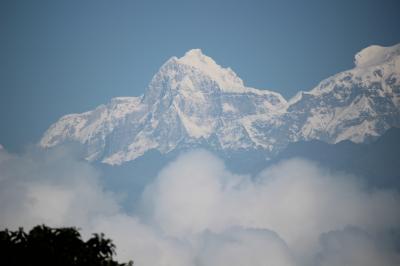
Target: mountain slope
column 194, row 102
column 356, row 105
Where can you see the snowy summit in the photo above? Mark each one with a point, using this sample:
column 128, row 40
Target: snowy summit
column 194, row 102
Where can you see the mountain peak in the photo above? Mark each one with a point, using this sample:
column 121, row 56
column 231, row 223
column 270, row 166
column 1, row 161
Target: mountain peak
column 192, row 72
column 193, row 57
column 375, row 54
column 197, row 59
column 226, row 79
column 194, row 53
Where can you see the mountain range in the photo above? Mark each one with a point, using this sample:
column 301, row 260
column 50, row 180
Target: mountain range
column 194, row 102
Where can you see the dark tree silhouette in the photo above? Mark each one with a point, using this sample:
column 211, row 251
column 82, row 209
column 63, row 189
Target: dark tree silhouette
column 55, row 246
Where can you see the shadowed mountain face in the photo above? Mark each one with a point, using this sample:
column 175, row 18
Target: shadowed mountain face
column 193, row 102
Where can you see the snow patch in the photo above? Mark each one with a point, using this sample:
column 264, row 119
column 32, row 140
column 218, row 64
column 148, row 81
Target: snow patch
column 195, row 127
column 225, row 77
column 228, row 108
column 375, row 54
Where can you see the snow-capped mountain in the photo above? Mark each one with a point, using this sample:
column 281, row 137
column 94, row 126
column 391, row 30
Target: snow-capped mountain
column 192, row 101
column 356, row 105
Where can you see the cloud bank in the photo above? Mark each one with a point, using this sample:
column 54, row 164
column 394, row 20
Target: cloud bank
column 198, row 213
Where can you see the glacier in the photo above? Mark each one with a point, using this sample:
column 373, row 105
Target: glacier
column 194, row 102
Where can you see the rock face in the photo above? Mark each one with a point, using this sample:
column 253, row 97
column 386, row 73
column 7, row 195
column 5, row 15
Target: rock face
column 194, row 102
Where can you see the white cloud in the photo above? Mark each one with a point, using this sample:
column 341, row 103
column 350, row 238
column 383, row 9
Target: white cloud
column 238, row 246
column 141, row 243
column 296, row 199
column 50, row 187
column 198, row 213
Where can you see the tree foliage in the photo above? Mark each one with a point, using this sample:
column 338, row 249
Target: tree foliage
column 55, row 246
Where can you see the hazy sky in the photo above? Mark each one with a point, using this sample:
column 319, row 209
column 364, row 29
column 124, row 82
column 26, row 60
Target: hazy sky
column 59, row 57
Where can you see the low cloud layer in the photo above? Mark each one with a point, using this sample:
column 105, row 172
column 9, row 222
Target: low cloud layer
column 198, row 213
column 50, row 187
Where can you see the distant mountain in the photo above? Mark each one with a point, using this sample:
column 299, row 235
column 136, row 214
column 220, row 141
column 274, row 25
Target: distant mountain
column 194, row 102
column 357, row 105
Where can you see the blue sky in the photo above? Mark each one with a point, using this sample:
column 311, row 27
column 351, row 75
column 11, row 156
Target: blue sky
column 59, row 57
